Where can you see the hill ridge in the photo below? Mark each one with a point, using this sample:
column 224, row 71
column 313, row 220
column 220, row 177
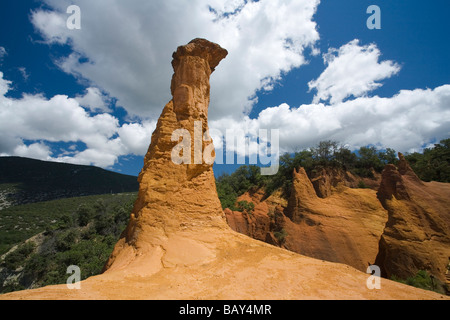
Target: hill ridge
column 26, row 180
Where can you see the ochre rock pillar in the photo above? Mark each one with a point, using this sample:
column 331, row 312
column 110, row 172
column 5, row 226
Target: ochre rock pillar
column 176, row 198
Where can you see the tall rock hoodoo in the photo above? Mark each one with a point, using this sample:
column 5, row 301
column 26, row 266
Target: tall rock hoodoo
column 175, row 197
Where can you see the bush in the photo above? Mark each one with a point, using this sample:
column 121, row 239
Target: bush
column 36, row 266
column 16, row 258
column 84, row 215
column 65, row 240
column 363, row 172
column 227, row 194
column 433, row 164
column 87, row 243
column 281, row 236
column 422, row 280
column 362, row 184
column 230, row 187
column 246, row 206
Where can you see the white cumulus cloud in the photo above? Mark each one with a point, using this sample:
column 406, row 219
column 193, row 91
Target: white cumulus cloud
column 30, row 124
column 94, row 100
column 352, row 70
column 125, row 47
column 404, row 122
column 123, row 50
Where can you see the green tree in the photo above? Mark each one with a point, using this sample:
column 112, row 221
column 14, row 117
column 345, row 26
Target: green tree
column 389, row 156
column 229, row 187
column 325, row 151
column 84, row 215
column 433, row 164
column 16, row 258
column 368, row 160
column 245, row 206
column 345, row 158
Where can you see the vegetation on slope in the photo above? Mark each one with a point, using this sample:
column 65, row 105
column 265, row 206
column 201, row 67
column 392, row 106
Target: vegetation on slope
column 423, row 280
column 77, row 231
column 433, row 164
column 24, row 180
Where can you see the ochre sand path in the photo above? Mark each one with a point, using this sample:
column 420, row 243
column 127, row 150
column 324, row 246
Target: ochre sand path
column 230, row 266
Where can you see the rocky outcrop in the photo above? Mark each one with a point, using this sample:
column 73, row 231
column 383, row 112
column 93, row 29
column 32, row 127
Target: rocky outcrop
column 417, row 233
column 303, row 197
column 328, row 179
column 345, row 226
column 256, row 223
column 405, row 169
column 403, row 227
column 172, row 196
column 392, row 182
column 177, row 244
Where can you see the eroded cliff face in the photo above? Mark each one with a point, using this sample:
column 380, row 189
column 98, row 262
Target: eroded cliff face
column 323, row 218
column 403, row 226
column 417, row 233
column 175, row 196
column 326, row 180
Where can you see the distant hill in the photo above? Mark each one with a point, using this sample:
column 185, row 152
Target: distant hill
column 24, row 180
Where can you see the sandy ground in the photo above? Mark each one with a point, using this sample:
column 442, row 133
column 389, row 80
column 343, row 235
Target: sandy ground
column 230, row 266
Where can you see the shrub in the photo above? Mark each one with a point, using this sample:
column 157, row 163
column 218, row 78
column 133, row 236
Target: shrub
column 281, row 236
column 433, row 164
column 86, row 243
column 363, row 172
column 66, row 239
column 422, row 279
column 246, row 206
column 84, row 215
column 227, row 195
column 362, row 184
column 15, row 259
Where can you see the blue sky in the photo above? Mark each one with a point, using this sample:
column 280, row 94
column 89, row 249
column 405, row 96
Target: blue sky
column 310, row 68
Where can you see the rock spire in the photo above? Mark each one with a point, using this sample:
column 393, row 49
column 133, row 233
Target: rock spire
column 176, row 196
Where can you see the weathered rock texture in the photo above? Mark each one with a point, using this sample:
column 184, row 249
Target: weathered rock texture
column 403, row 227
column 174, row 197
column 323, row 218
column 344, row 227
column 325, row 180
column 177, row 244
column 417, row 233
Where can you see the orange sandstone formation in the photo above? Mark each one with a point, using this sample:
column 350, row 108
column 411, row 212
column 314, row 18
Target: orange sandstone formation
column 177, row 244
column 323, row 218
column 417, row 233
column 175, row 197
column 403, row 228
